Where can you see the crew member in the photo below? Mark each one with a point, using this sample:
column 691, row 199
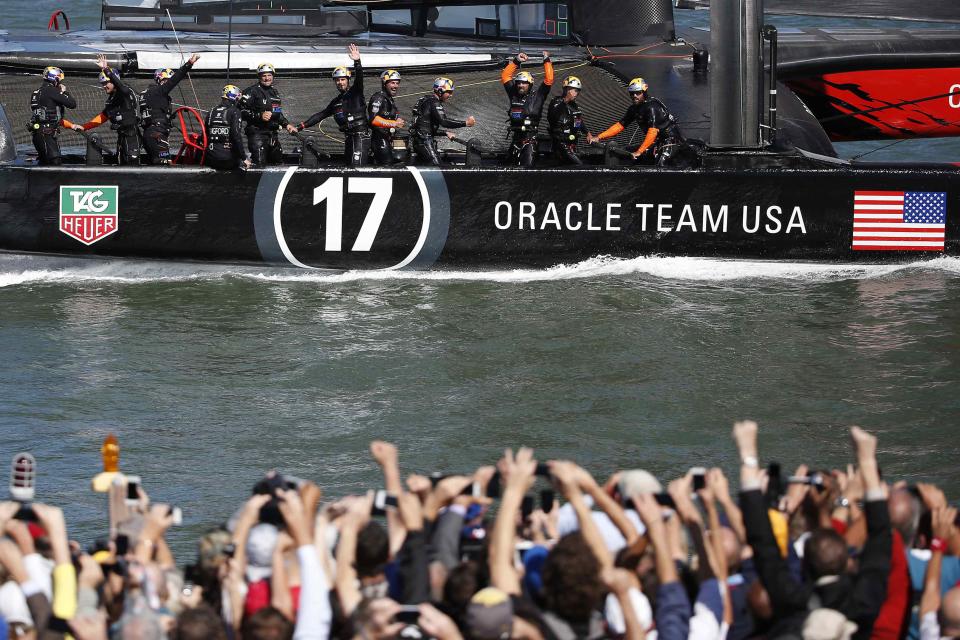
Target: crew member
column 121, row 110
column 566, row 122
column 385, row 117
column 428, row 116
column 526, row 107
column 349, row 110
column 46, row 110
column 662, row 132
column 156, row 111
column 262, row 110
column 225, row 145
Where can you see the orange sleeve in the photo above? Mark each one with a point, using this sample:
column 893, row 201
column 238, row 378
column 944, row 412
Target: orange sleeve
column 548, row 73
column 66, row 123
column 614, row 129
column 96, row 121
column 507, row 74
column 383, row 123
column 649, row 140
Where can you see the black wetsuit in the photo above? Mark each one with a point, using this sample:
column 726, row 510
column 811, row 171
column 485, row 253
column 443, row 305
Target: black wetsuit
column 155, row 114
column 349, row 109
column 524, row 119
column 653, row 114
column 383, row 105
column 46, row 111
column 566, row 129
column 225, row 144
column 122, row 110
column 262, row 138
column 428, row 116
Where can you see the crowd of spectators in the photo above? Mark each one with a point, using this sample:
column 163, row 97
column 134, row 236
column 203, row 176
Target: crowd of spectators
column 521, row 550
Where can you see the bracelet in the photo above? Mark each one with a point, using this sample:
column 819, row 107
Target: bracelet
column 751, row 461
column 842, row 503
column 938, row 544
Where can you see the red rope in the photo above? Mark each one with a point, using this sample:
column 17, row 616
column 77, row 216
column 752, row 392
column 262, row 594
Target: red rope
column 54, row 23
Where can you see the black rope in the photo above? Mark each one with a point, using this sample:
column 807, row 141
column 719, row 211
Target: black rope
column 890, row 106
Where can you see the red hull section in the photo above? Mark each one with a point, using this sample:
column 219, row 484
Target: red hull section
column 886, row 103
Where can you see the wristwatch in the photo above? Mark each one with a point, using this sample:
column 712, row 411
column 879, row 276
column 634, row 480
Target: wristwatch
column 842, row 502
column 750, row 461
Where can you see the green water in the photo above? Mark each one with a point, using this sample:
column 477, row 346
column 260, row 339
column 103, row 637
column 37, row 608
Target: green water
column 209, row 379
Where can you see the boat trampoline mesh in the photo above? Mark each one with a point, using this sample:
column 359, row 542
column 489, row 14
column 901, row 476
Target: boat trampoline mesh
column 603, row 102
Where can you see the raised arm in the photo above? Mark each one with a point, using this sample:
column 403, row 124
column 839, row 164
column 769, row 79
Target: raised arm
column 356, row 517
column 314, row 615
column 357, row 87
column 603, row 501
column 547, row 72
column 516, row 475
column 179, row 75
column 387, row 458
column 673, row 607
column 569, row 476
column 785, row 594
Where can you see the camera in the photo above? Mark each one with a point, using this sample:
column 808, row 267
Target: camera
column 665, row 500
column 268, row 486
column 133, row 491
column 408, row 614
column 493, row 488
column 23, row 475
column 815, row 480
column 381, row 502
column 547, row 498
column 25, row 514
column 699, row 478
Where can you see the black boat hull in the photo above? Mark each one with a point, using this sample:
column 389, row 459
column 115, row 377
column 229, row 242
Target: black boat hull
column 465, row 217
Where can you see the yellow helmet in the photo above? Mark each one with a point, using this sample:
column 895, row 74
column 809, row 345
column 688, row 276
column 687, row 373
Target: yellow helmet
column 442, row 85
column 572, row 82
column 637, row 85
column 266, row 67
column 232, row 92
column 53, row 74
column 162, row 74
column 523, row 76
column 103, row 78
column 340, row 72
column 388, row 75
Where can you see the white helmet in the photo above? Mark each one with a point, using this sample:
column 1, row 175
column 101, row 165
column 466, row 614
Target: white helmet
column 572, row 82
column 388, row 75
column 637, row 85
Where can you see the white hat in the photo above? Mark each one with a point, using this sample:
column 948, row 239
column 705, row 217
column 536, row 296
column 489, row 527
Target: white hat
column 260, row 545
column 827, row 624
column 637, row 481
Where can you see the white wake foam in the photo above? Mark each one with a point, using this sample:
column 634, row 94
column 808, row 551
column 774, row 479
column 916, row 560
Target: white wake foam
column 21, row 269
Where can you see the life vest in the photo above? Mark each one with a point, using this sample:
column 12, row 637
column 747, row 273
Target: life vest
column 569, row 125
column 43, row 112
column 218, row 127
column 520, row 119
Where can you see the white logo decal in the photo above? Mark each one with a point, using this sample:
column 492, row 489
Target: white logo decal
column 331, row 192
column 954, row 98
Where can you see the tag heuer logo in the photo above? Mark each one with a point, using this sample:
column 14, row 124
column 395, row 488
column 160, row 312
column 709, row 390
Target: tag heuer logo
column 88, row 214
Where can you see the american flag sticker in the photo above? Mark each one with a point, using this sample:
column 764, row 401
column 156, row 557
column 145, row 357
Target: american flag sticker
column 899, row 220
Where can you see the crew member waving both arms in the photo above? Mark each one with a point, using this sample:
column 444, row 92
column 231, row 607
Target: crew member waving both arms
column 653, row 117
column 526, row 107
